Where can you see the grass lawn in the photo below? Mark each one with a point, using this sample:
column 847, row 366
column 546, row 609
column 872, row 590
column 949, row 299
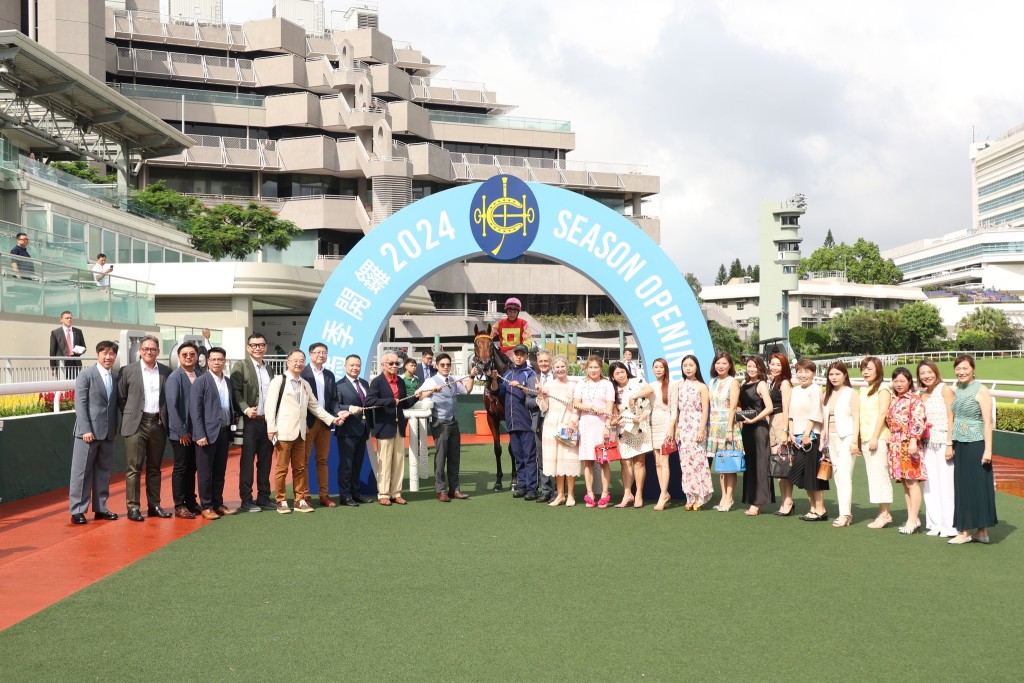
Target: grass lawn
column 499, row 589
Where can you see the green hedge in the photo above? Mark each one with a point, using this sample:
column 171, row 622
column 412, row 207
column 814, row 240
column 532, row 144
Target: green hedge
column 1010, row 417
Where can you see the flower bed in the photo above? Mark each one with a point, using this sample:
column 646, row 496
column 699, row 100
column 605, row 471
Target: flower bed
column 34, row 404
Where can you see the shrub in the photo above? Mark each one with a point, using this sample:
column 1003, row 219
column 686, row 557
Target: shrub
column 1010, row 417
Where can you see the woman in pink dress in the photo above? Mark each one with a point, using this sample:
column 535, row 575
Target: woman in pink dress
column 690, row 407
column 592, row 401
column 906, row 421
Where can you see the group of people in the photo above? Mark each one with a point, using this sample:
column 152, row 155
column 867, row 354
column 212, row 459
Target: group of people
column 934, row 440
column 23, row 266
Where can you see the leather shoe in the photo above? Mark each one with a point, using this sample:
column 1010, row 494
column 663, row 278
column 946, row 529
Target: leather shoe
column 518, row 494
column 158, row 511
column 107, row 515
column 135, row 515
column 398, row 500
column 530, row 496
column 384, row 501
column 224, row 510
column 458, row 495
column 210, row 514
column 195, row 510
column 362, row 499
column 348, row 502
column 79, row 518
column 326, row 502
column 184, row 513
column 443, row 497
column 543, row 498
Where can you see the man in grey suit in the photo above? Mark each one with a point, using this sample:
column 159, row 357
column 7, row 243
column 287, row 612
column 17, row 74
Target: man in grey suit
column 143, row 403
column 212, row 409
column 179, row 424
column 95, row 428
column 250, row 379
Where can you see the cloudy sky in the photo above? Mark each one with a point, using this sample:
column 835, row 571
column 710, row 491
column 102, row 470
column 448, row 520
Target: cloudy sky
column 867, row 108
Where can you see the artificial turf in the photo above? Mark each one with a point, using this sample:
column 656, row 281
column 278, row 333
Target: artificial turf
column 499, row 589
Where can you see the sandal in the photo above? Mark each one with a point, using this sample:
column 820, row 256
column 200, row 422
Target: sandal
column 603, row 503
column 755, row 513
column 589, row 500
column 638, row 503
column 811, row 516
column 843, row 520
column 880, row 522
column 626, row 502
column 908, row 530
column 662, row 502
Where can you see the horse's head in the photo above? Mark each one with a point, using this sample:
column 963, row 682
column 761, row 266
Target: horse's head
column 482, row 344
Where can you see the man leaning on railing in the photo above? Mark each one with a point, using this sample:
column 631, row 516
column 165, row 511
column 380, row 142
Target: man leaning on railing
column 23, row 267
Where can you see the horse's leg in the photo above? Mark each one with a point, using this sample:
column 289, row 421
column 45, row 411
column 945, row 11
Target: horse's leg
column 492, row 424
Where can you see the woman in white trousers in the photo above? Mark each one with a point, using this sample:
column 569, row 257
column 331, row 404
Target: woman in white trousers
column 874, row 404
column 842, row 413
column 938, row 454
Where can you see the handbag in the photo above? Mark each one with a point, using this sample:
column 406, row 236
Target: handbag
column 780, row 464
column 748, row 414
column 730, row 461
column 568, row 436
column 669, row 447
column 825, row 467
column 607, row 452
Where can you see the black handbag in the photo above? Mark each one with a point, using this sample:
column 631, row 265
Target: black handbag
column 780, row 464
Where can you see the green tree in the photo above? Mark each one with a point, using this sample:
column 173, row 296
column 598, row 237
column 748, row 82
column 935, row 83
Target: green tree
column 725, row 339
column 919, row 327
column 159, row 199
column 83, row 170
column 755, row 274
column 722, row 276
column 736, row 269
column 993, row 321
column 862, row 262
column 830, row 241
column 235, row 231
column 807, row 341
column 976, row 340
column 855, row 330
column 695, row 285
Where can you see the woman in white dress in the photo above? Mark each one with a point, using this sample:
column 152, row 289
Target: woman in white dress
column 634, row 431
column 842, row 418
column 938, row 454
column 874, row 405
column 660, row 391
column 593, row 399
column 561, row 460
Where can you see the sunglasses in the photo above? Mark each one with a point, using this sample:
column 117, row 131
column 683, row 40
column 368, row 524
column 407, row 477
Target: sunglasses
column 392, row 363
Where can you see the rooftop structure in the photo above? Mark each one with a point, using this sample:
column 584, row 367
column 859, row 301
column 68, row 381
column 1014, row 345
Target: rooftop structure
column 779, row 229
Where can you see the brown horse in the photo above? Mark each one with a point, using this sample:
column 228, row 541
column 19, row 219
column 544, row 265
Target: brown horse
column 487, row 359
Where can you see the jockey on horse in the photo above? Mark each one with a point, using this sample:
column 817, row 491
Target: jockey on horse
column 512, row 330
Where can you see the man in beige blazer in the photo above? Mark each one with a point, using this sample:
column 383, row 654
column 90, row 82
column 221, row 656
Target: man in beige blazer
column 289, row 399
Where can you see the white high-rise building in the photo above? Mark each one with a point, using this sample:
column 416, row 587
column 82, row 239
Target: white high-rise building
column 309, row 14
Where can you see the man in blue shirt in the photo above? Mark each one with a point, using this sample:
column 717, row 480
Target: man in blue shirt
column 23, row 267
column 444, row 391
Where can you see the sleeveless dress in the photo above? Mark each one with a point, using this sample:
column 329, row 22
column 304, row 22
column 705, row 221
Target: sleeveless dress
column 661, row 414
column 693, row 462
column 876, row 463
column 974, row 490
column 591, row 426
column 758, row 488
column 718, row 418
column 777, row 427
column 906, row 421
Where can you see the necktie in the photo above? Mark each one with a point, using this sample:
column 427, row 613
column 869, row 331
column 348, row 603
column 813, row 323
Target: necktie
column 359, row 390
column 67, row 333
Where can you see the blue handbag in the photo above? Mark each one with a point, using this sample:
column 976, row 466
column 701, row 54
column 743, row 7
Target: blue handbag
column 730, row 461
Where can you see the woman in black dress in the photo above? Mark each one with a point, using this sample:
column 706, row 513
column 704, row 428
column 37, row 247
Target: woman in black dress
column 758, row 489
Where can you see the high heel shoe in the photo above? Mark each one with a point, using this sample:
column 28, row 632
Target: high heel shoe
column 752, row 511
column 558, row 500
column 881, row 521
column 909, row 530
column 589, row 500
column 722, row 508
column 626, row 502
column 662, row 502
column 787, row 513
column 603, row 502
column 843, row 520
column 638, row 503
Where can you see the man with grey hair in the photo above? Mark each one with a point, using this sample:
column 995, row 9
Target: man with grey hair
column 545, row 483
column 386, row 395
column 143, row 403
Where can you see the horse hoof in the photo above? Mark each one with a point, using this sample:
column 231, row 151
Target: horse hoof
column 496, row 487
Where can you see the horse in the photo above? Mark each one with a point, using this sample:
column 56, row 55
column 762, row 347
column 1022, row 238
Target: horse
column 487, row 358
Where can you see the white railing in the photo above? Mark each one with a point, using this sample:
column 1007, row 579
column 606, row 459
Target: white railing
column 135, row 22
column 906, row 359
column 183, row 65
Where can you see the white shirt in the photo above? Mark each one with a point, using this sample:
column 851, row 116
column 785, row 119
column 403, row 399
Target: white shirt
column 151, row 385
column 107, row 379
column 225, row 399
column 105, row 280
column 318, row 377
column 264, row 379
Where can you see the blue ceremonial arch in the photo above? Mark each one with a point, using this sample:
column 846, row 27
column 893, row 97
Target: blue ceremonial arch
column 505, row 217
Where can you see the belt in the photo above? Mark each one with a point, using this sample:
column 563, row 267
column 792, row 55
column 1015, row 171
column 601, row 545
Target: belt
column 152, row 416
column 261, row 418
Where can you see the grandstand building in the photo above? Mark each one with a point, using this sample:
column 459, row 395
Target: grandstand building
column 334, row 128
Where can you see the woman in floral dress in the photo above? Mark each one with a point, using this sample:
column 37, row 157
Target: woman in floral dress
column 690, row 406
column 906, row 421
column 723, row 429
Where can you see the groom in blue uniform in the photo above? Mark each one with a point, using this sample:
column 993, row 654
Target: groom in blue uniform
column 519, row 422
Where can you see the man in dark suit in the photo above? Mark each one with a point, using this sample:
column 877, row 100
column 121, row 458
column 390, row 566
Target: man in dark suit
column 143, row 403
column 425, row 368
column 63, row 342
column 212, row 409
column 318, row 435
column 95, row 428
column 250, row 380
column 179, row 427
column 387, row 391
column 353, row 433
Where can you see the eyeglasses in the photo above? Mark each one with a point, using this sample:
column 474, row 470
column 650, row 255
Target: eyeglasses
column 149, row 349
column 394, row 363
column 257, row 346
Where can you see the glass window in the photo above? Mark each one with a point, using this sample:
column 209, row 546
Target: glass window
column 95, row 239
column 138, row 251
column 171, row 256
column 155, row 253
column 188, row 258
column 109, row 246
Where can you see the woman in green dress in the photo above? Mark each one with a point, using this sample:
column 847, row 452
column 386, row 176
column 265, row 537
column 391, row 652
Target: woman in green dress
column 974, row 496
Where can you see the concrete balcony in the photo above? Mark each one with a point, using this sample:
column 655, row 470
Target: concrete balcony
column 390, row 81
column 154, row 28
column 649, row 224
column 788, row 258
column 300, row 109
column 340, row 213
column 276, row 35
column 369, row 45
column 430, row 162
column 281, row 71
column 215, row 151
column 337, row 115
column 410, row 118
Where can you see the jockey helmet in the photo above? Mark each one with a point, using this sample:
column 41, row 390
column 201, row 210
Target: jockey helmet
column 513, row 302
